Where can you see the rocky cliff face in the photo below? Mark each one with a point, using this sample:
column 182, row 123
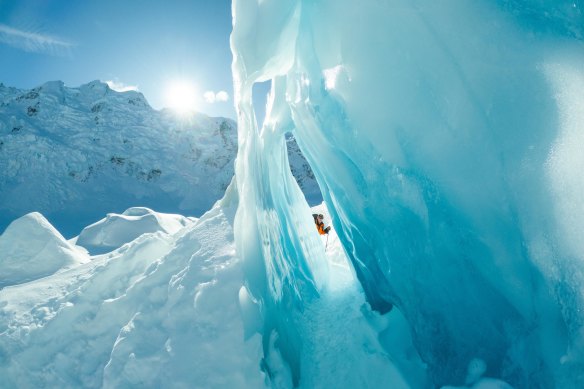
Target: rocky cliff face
column 75, row 154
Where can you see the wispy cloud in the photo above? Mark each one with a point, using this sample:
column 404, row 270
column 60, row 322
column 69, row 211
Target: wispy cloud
column 120, row 86
column 215, row 97
column 34, row 42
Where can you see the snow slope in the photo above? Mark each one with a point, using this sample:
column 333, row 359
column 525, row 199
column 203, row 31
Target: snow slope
column 32, row 248
column 75, row 154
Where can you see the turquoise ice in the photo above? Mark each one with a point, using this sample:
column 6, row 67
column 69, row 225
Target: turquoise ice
column 447, row 139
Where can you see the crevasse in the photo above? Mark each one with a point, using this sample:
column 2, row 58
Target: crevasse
column 447, row 141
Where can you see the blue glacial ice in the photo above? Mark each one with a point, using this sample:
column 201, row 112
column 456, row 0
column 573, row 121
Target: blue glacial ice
column 447, row 139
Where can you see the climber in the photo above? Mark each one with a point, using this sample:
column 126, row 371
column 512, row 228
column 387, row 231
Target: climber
column 318, row 220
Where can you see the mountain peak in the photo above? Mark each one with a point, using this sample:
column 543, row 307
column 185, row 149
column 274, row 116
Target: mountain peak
column 52, row 87
column 53, row 84
column 95, row 85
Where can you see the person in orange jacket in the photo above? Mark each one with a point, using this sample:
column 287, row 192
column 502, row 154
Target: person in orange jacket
column 318, row 220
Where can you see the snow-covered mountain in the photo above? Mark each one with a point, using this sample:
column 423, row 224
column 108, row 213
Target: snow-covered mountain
column 75, row 154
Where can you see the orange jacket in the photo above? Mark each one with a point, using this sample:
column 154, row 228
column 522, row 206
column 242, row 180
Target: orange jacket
column 321, row 229
column 320, row 226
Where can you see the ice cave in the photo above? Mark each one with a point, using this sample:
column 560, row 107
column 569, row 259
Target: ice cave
column 448, row 141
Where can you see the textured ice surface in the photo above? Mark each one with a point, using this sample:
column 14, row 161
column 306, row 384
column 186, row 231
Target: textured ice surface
column 447, row 140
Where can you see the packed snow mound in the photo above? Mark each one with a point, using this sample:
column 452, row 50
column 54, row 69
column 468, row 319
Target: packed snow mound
column 116, row 230
column 93, row 145
column 32, row 248
column 160, row 312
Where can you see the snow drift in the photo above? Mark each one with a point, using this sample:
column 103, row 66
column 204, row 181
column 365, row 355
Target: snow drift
column 115, row 230
column 32, row 248
column 447, row 140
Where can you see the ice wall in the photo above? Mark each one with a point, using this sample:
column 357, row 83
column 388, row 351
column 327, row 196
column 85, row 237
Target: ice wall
column 448, row 141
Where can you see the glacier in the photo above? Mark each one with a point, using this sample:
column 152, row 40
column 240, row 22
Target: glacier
column 447, row 139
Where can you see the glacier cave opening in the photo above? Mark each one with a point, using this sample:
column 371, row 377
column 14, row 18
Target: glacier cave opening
column 259, row 96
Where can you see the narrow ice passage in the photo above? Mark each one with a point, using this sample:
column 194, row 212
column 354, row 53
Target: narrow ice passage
column 341, row 347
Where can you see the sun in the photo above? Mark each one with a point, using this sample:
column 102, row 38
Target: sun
column 181, row 96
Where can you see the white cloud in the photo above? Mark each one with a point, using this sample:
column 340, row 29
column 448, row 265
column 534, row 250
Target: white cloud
column 33, row 42
column 215, row 97
column 120, row 86
column 209, row 96
column 222, row 96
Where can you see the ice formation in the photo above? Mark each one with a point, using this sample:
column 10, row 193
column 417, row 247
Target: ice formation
column 447, row 140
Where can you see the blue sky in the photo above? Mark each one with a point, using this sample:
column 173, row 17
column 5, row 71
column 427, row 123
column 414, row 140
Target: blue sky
column 148, row 44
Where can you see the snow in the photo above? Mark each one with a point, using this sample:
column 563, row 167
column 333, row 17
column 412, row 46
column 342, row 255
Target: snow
column 93, row 145
column 170, row 308
column 32, row 248
column 116, row 230
column 446, row 139
column 161, row 311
